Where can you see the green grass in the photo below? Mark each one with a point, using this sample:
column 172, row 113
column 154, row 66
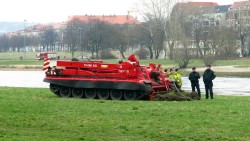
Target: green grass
column 20, row 62
column 13, row 58
column 32, row 55
column 36, row 114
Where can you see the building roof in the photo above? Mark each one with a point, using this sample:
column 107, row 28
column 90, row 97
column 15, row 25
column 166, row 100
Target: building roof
column 56, row 25
column 239, row 4
column 40, row 27
column 112, row 19
column 222, row 8
column 203, row 4
column 195, row 4
column 242, row 6
column 194, row 7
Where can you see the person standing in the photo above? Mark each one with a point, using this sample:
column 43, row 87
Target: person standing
column 194, row 79
column 208, row 78
column 172, row 80
column 177, row 77
column 166, row 75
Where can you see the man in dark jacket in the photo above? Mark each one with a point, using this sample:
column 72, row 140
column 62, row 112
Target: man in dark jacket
column 208, row 76
column 194, row 78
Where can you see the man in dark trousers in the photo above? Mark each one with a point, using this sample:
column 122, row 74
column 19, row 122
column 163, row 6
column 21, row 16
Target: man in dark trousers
column 194, row 78
column 208, row 78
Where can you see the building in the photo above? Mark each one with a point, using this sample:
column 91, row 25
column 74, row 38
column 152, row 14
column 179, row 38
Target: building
column 209, row 13
column 205, row 16
column 239, row 12
column 220, row 14
column 111, row 19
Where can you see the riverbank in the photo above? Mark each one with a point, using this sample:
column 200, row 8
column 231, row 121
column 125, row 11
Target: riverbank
column 221, row 71
column 21, row 67
column 223, row 68
column 37, row 114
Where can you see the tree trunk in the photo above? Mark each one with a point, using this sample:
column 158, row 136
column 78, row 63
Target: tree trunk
column 199, row 49
column 242, row 40
column 157, row 54
column 165, row 53
column 96, row 51
column 151, row 52
column 122, row 54
column 72, row 50
column 171, row 50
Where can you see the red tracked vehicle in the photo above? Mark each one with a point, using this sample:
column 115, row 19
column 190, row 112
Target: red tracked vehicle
column 95, row 79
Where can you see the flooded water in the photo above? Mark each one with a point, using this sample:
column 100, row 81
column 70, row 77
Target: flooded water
column 29, row 79
column 34, row 79
column 224, row 86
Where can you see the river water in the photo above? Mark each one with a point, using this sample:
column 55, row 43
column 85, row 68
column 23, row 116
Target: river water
column 34, row 79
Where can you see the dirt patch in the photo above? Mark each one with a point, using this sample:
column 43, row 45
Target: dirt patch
column 176, row 96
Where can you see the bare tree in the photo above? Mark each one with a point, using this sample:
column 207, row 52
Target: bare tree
column 72, row 35
column 182, row 47
column 4, row 43
column 49, row 39
column 144, row 39
column 243, row 30
column 226, row 43
column 98, row 33
column 119, row 38
column 156, row 14
column 34, row 40
column 158, row 42
column 16, row 42
column 183, row 55
column 175, row 29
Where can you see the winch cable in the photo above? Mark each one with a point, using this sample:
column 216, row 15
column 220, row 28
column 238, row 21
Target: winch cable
column 182, row 94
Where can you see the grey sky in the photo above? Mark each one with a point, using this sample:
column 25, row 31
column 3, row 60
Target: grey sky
column 59, row 10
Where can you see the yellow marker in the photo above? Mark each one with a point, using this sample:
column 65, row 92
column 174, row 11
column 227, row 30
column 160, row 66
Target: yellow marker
column 104, row 66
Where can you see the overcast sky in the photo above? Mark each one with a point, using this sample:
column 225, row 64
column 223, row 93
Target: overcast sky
column 58, row 10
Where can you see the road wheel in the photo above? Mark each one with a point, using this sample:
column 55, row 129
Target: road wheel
column 103, row 94
column 116, row 94
column 130, row 95
column 77, row 93
column 90, row 93
column 55, row 89
column 65, row 92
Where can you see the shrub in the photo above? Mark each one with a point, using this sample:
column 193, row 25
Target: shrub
column 142, row 53
column 105, row 54
column 208, row 60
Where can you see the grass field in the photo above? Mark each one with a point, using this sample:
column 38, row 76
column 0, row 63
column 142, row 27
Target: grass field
column 29, row 59
column 36, row 114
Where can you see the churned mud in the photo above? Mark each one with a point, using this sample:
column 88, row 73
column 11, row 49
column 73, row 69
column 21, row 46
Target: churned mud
column 177, row 96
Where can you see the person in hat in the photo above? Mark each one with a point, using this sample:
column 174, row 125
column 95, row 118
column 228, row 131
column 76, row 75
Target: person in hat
column 175, row 78
column 194, row 77
column 166, row 73
column 208, row 78
column 178, row 78
column 171, row 75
